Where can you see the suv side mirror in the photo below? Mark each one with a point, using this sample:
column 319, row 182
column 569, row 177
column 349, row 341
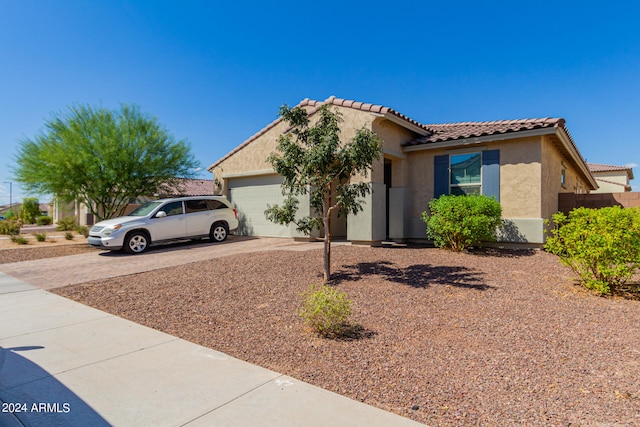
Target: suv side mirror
column 161, row 214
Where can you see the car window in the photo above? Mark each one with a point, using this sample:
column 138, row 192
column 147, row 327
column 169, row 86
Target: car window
column 195, row 205
column 145, row 209
column 215, row 204
column 173, row 208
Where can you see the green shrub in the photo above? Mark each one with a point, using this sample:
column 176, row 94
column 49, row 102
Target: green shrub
column 19, row 239
column 9, row 227
column 326, row 311
column 84, row 230
column 10, row 214
column 30, row 210
column 458, row 222
column 602, row 246
column 41, row 237
column 44, row 220
column 68, row 235
column 68, row 223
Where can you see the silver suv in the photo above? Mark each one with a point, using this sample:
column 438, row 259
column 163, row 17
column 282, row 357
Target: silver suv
column 166, row 219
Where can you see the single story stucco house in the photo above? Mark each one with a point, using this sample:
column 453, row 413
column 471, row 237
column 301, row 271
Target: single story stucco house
column 523, row 163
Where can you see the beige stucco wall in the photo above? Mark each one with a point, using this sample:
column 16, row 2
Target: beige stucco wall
column 618, row 181
column 520, row 184
column 520, row 187
column 520, row 177
column 553, row 162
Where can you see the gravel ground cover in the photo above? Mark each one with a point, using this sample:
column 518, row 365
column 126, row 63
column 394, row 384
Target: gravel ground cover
column 449, row 339
column 12, row 252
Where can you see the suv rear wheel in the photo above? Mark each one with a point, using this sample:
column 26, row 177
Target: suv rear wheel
column 136, row 242
column 219, row 232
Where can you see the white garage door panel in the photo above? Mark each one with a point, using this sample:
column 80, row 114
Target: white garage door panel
column 251, row 197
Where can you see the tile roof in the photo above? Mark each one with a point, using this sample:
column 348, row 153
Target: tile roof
column 597, row 167
column 189, row 187
column 363, row 106
column 463, row 130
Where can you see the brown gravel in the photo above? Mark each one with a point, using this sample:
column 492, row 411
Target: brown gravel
column 500, row 338
column 39, row 250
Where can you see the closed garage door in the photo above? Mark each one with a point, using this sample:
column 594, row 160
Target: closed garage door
column 251, row 195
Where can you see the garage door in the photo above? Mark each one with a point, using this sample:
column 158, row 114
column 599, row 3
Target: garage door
column 250, row 195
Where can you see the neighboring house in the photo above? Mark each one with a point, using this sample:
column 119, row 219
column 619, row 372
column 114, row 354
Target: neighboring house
column 611, row 179
column 525, row 164
column 186, row 187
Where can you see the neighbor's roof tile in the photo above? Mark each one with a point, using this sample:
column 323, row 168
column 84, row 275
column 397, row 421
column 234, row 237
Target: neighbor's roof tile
column 190, row 187
column 597, row 167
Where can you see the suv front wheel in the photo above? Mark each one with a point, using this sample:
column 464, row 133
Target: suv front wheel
column 218, row 232
column 136, row 242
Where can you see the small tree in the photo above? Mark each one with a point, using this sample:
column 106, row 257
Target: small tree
column 30, row 210
column 457, row 222
column 313, row 161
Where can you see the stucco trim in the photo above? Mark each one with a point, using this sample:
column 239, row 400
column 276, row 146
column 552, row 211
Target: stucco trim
column 393, row 153
column 250, row 173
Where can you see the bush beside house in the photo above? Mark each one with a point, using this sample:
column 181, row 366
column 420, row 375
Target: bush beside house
column 459, row 222
column 602, row 246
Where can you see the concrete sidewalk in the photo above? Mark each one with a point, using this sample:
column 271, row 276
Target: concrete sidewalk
column 63, row 363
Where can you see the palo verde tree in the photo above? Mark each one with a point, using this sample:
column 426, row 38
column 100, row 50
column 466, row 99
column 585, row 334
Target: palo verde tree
column 312, row 160
column 102, row 158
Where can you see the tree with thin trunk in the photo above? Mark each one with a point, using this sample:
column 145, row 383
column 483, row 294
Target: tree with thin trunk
column 313, row 161
column 102, row 158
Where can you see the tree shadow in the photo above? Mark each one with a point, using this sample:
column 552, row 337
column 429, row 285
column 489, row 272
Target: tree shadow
column 416, row 276
column 34, row 397
column 504, row 253
column 354, row 332
column 629, row 291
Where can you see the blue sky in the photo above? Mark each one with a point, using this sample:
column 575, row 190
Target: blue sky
column 215, row 73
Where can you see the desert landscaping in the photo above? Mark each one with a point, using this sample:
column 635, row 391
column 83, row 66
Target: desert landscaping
column 482, row 338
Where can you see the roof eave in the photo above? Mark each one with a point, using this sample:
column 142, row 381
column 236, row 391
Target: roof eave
column 465, row 142
column 571, row 148
column 405, row 124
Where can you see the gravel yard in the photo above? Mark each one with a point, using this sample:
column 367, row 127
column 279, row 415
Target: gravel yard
column 498, row 338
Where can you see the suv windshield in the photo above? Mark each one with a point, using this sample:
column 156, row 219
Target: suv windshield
column 145, row 209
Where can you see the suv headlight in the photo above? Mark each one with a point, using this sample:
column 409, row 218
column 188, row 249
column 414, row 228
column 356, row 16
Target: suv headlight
column 109, row 230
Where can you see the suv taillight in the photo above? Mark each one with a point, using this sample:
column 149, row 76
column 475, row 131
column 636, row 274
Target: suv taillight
column 235, row 213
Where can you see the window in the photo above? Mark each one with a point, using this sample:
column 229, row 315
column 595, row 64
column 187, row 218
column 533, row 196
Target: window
column 173, row 208
column 212, row 205
column 465, row 174
column 195, row 205
column 563, row 178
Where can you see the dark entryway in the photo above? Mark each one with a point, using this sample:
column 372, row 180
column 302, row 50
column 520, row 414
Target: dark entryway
column 387, row 184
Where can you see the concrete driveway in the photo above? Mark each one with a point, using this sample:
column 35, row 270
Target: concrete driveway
column 52, row 273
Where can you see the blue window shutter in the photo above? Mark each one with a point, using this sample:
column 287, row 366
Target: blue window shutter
column 491, row 173
column 441, row 175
